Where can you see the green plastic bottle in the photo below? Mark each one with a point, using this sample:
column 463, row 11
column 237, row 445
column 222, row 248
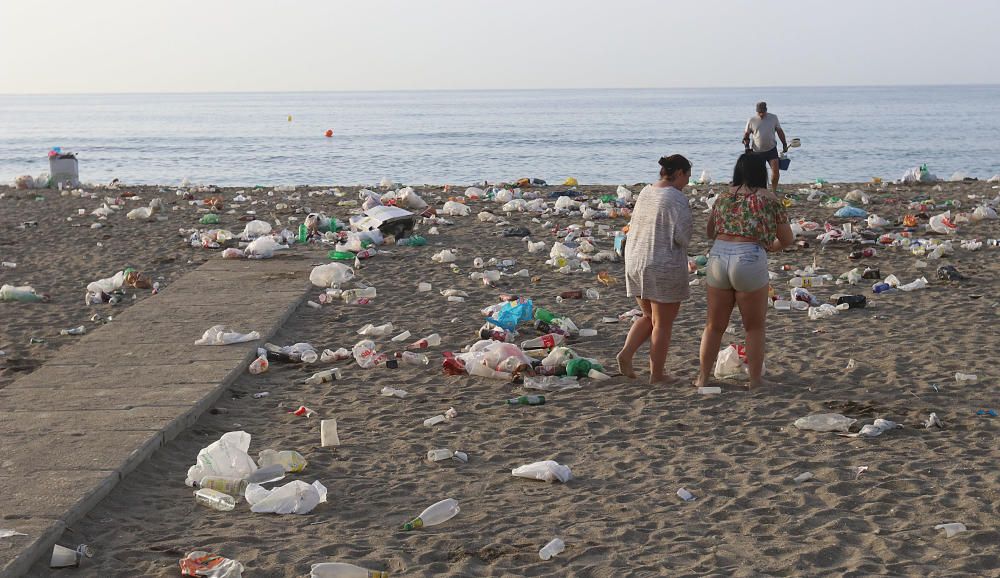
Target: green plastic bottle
column 527, row 400
column 303, row 233
column 545, row 315
column 209, row 219
column 340, row 255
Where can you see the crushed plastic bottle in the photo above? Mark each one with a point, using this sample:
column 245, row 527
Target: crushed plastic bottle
column 435, row 514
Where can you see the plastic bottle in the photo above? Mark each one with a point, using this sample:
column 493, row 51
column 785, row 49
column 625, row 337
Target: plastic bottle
column 966, row 377
column 782, row 305
column 266, row 474
column 806, row 281
column 526, row 400
column 869, row 252
column 881, row 288
column 551, row 549
column 303, row 233
column 342, row 570
column 588, row 332
column 353, row 295
column 232, row 486
column 709, row 390
column 432, row 421
column 547, row 341
column 432, row 340
column 544, row 315
column 440, row 455
column 215, row 499
column 434, row 515
column 324, row 376
column 413, row 358
column 291, row 461
column 401, row 337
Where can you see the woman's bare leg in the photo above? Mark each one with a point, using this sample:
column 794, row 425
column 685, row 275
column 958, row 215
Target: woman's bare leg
column 720, row 308
column 663, row 323
column 753, row 309
column 637, row 335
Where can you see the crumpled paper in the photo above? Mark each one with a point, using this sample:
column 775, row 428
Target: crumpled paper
column 296, row 497
column 222, row 335
column 547, row 471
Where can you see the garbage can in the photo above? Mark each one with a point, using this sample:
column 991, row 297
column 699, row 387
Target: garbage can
column 64, row 170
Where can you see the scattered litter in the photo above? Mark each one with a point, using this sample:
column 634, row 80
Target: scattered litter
column 200, row 563
column 825, row 422
column 546, row 471
column 951, row 529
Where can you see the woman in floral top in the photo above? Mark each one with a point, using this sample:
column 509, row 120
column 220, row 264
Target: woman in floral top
column 746, row 221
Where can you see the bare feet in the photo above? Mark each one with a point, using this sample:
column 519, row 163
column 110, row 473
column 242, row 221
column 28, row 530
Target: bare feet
column 664, row 380
column 762, row 383
column 625, row 366
column 702, row 381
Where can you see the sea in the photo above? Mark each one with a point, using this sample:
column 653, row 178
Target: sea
column 465, row 137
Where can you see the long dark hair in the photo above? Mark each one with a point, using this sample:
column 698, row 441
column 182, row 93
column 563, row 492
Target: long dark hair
column 672, row 164
column 750, row 171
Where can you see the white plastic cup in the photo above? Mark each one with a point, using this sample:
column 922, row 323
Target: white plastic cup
column 328, row 433
column 63, row 557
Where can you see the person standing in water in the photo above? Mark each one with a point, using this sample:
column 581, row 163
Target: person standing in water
column 762, row 127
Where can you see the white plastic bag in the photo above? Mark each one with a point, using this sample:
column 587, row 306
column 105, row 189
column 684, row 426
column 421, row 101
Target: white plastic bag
column 255, row 229
column 729, row 364
column 567, row 203
column 624, row 194
column 503, row 196
column 226, row 457
column 330, row 275
column 547, row 471
column 365, row 354
column 942, row 224
column 409, row 198
column 455, row 209
column 445, row 256
column 263, row 248
column 825, row 422
column 296, row 497
column 222, row 335
column 107, row 285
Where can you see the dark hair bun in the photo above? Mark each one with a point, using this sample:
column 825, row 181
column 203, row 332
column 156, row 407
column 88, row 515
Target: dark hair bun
column 674, row 163
column 664, row 162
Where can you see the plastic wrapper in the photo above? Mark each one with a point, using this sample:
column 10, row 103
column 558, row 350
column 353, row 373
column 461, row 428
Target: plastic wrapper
column 295, row 497
column 222, row 335
column 825, row 422
column 227, row 458
column 330, row 275
column 547, row 471
column 200, row 563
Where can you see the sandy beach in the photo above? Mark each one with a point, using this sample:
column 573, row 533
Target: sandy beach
column 870, row 508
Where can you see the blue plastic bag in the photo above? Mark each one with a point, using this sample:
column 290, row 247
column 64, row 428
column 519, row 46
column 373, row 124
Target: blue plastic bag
column 850, row 212
column 509, row 317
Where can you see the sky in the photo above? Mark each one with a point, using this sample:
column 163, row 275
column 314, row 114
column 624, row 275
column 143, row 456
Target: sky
column 102, row 46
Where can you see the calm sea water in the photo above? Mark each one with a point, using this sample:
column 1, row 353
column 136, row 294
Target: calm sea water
column 597, row 136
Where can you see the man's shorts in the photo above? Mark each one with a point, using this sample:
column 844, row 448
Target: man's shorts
column 769, row 155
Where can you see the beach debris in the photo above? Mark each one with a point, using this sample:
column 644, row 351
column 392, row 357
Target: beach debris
column 295, row 497
column 324, row 376
column 303, row 411
column 7, row 533
column 951, row 529
column 342, row 570
column 445, row 454
column 685, row 495
column 825, row 422
column 292, row 461
column 987, row 412
column 551, row 383
column 933, row 421
column 199, row 563
column 365, row 354
column 555, row 546
column 24, row 293
column 226, row 457
column 875, row 429
column 546, row 471
column 369, row 330
column 966, row 377
column 732, row 362
column 63, row 557
column 435, row 514
column 215, row 499
column 803, row 477
column 329, row 355
column 859, row 470
column 328, row 435
column 330, row 275
column 393, row 392
column 222, row 335
column 261, row 364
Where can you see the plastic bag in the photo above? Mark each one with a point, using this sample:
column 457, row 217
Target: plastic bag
column 515, row 206
column 509, row 317
column 365, row 354
column 263, row 248
column 200, row 563
column 296, row 497
column 875, row 429
column 24, row 293
column 567, row 203
column 445, row 256
column 503, row 196
column 825, row 422
column 455, row 209
column 330, row 275
column 547, row 471
column 255, row 229
column 942, row 224
column 222, row 335
column 850, row 212
column 409, row 198
column 731, row 362
column 226, row 458
column 107, row 285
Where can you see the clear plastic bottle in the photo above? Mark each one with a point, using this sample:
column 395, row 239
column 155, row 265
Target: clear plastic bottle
column 806, row 281
column 324, row 376
column 435, row 514
column 271, row 473
column 547, row 341
column 235, row 487
column 551, row 549
column 342, row 570
column 215, row 499
column 413, row 358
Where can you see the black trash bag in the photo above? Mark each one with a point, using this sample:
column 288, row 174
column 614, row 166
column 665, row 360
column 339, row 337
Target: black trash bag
column 950, row 273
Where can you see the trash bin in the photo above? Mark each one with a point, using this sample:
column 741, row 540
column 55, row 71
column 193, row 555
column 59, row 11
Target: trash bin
column 64, row 170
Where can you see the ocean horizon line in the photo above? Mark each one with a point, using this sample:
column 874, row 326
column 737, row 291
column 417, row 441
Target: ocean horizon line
column 503, row 90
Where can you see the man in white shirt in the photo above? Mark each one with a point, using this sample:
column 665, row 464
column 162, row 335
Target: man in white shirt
column 763, row 126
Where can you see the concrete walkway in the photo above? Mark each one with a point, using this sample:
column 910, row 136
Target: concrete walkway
column 72, row 429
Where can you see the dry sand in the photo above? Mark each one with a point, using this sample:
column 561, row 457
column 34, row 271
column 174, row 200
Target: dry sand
column 630, row 446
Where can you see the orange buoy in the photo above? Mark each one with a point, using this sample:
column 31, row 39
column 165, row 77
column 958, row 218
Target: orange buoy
column 329, row 133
